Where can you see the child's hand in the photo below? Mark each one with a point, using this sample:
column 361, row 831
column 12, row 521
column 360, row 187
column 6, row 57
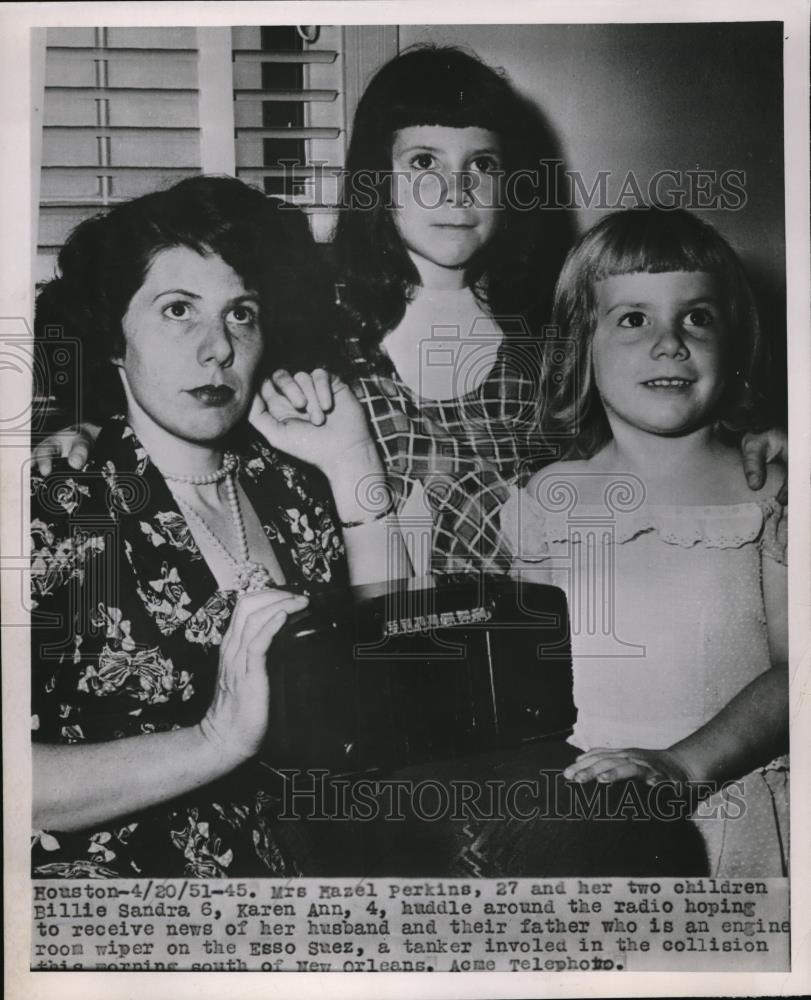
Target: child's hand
column 304, row 396
column 315, row 417
column 607, row 764
column 760, row 449
column 72, row 443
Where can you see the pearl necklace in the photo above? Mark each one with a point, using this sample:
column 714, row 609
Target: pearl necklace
column 249, row 575
column 229, row 464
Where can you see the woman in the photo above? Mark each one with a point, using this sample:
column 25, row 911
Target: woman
column 163, row 571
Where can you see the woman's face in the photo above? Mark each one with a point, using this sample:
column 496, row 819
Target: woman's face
column 192, row 345
column 447, row 194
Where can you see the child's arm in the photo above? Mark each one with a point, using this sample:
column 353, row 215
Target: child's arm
column 317, row 418
column 754, row 725
column 749, row 731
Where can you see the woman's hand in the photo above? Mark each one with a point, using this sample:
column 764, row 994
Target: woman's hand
column 314, row 417
column 73, row 443
column 758, row 451
column 606, row 764
column 142, row 771
column 237, row 718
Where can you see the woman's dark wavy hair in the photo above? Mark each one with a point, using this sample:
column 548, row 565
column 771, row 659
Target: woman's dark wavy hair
column 105, row 260
column 438, row 85
column 653, row 240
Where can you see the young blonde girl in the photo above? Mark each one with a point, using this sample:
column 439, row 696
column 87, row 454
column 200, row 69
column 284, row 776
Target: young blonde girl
column 676, row 572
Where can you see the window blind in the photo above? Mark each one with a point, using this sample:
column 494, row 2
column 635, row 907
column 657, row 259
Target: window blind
column 120, row 118
column 121, row 114
column 289, row 115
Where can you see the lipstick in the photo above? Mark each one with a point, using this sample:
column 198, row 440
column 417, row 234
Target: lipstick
column 212, row 395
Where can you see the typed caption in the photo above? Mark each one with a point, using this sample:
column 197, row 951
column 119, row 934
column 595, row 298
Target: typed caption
column 381, row 925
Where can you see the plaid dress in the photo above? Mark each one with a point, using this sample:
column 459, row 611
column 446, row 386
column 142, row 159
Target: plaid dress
column 464, row 452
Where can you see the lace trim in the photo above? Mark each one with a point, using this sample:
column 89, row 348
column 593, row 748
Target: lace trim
column 722, row 527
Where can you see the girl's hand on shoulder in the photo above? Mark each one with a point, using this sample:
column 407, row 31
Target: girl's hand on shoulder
column 758, row 451
column 73, row 443
column 608, row 764
column 237, row 718
column 314, row 417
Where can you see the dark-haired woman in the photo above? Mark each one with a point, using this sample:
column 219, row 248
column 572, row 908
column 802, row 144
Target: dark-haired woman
column 162, row 571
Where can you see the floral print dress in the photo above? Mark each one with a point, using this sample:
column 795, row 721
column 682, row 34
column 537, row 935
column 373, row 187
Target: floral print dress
column 127, row 621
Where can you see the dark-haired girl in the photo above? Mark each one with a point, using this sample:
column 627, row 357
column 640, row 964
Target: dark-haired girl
column 444, row 277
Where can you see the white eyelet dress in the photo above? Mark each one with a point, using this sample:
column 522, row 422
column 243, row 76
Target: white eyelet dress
column 668, row 625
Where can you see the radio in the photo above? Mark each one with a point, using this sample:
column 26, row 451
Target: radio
column 378, row 677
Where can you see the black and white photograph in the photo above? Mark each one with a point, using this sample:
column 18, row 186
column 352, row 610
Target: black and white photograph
column 397, row 565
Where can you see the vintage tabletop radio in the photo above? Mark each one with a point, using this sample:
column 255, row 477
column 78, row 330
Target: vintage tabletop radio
column 379, row 677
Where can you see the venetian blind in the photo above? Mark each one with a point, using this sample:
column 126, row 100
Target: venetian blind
column 120, row 118
column 289, row 115
column 128, row 110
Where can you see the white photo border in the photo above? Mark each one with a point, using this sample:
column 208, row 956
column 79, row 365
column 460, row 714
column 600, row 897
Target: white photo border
column 19, row 189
